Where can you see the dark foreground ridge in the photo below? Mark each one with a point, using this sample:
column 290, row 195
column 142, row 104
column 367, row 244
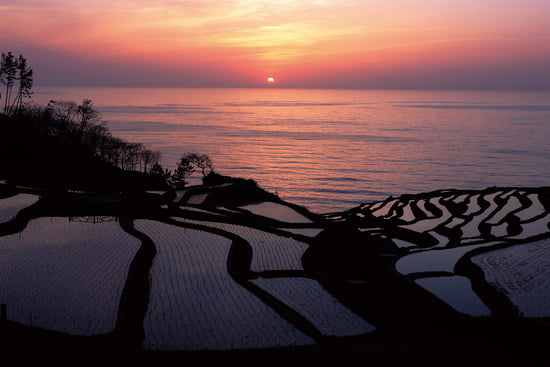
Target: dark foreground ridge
column 354, row 255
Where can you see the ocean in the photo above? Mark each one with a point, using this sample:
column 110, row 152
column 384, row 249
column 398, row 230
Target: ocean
column 331, row 150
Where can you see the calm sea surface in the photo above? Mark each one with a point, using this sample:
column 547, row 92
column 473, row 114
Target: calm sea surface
column 331, row 150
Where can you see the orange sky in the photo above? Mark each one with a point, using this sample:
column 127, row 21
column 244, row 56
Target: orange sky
column 301, row 43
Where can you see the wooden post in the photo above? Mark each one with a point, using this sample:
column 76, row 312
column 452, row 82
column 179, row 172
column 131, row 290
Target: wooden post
column 3, row 314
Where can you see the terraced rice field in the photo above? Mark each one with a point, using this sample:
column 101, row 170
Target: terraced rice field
column 440, row 260
column 308, row 298
column 424, row 225
column 65, row 276
column 443, row 227
column 522, row 273
column 9, row 207
column 69, row 276
column 197, row 199
column 270, row 251
column 276, row 211
column 195, row 304
column 473, row 217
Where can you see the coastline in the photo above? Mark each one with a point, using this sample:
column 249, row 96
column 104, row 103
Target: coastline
column 333, row 150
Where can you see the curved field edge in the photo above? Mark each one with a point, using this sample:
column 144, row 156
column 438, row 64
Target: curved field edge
column 65, row 275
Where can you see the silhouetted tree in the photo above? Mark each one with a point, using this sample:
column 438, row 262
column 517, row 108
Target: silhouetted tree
column 96, row 137
column 113, row 148
column 86, row 115
column 25, row 83
column 201, row 161
column 132, row 154
column 183, row 170
column 8, row 74
column 158, row 170
column 11, row 70
column 62, row 110
column 147, row 157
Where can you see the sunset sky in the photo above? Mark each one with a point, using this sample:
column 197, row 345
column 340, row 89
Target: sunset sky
column 464, row 44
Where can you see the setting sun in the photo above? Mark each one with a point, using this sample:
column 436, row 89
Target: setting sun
column 271, row 80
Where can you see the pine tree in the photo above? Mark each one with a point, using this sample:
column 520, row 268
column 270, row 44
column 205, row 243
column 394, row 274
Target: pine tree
column 25, row 83
column 8, row 74
column 14, row 69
